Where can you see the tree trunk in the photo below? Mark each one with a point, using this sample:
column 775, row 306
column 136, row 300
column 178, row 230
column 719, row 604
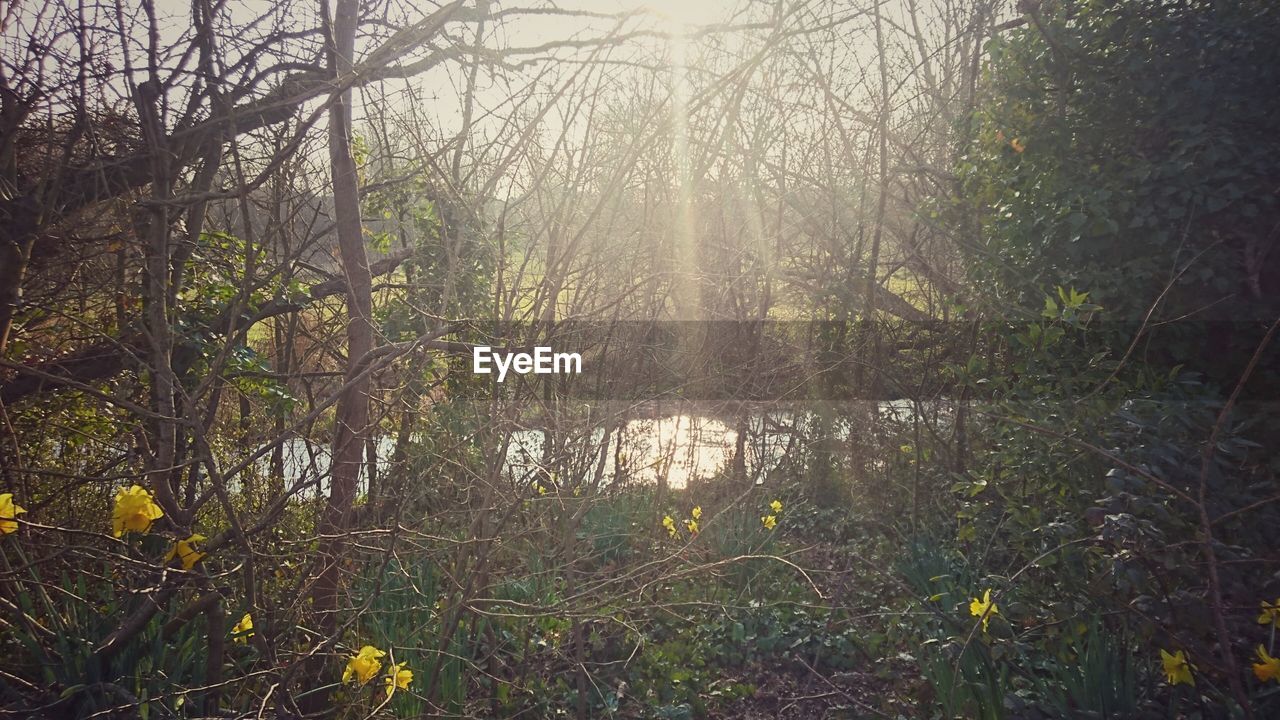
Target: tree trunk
column 351, row 422
column 13, row 268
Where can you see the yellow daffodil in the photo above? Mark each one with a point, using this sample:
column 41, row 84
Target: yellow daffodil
column 776, row 506
column 983, row 608
column 185, row 550
column 363, row 666
column 692, row 525
column 1267, row 667
column 697, row 512
column 243, row 629
column 134, row 511
column 1270, row 611
column 1177, row 668
column 769, row 521
column 669, row 523
column 542, row 490
column 398, row 678
column 9, row 510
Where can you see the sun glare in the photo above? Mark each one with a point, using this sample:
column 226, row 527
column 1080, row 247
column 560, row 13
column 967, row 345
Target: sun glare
column 686, row 12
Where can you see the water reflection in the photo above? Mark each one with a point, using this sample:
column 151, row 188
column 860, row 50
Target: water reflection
column 681, row 448
column 677, row 448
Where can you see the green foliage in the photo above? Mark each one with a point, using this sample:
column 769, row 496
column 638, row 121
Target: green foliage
column 1130, row 178
column 611, row 525
column 1071, row 665
column 1106, row 162
column 57, row 626
column 1117, row 176
column 1135, row 156
column 452, row 263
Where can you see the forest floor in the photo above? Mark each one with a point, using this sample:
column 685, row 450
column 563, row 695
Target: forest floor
column 796, row 689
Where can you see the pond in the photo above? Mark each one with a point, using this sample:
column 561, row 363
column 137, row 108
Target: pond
column 680, row 447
